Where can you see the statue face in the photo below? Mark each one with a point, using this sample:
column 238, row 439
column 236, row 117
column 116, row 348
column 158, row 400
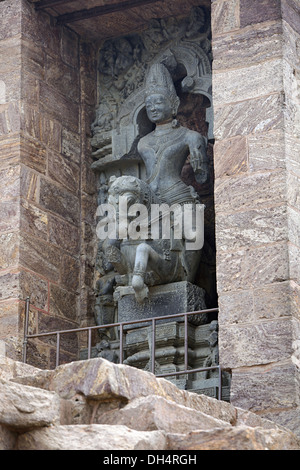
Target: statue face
column 159, row 108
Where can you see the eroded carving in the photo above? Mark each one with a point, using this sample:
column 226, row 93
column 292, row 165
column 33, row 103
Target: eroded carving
column 140, row 149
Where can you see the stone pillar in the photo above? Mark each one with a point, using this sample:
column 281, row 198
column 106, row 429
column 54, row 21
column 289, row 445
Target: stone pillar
column 47, row 95
column 257, row 176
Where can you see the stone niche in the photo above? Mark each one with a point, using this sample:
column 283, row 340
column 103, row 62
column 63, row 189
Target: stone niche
column 173, row 281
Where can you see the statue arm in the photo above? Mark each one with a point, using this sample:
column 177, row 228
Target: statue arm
column 198, row 157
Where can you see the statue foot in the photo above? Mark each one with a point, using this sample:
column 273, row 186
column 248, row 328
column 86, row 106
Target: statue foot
column 140, row 288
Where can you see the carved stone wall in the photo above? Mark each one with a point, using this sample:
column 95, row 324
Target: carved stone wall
column 183, row 45
column 47, row 102
column 48, row 94
column 256, row 104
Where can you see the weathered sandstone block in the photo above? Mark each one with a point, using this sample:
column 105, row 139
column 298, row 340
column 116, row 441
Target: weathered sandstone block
column 257, row 115
column 91, row 437
column 239, row 438
column 8, row 438
column 247, row 269
column 157, row 413
column 258, row 11
column 23, row 407
column 251, row 344
column 10, row 369
column 251, row 388
column 99, row 379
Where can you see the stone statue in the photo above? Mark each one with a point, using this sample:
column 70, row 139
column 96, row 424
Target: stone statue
column 143, row 155
column 164, row 151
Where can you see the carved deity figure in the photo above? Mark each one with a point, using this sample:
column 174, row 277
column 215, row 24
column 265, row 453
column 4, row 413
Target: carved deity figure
column 164, row 152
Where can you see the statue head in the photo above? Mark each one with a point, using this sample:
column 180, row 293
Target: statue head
column 160, row 98
column 132, row 188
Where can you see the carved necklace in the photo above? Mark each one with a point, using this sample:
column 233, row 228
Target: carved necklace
column 160, row 142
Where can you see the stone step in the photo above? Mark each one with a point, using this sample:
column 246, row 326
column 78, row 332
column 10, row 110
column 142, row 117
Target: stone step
column 98, row 405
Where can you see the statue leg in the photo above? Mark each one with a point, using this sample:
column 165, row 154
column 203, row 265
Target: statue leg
column 144, row 254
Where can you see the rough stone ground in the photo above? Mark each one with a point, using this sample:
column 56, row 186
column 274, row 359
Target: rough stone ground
column 98, row 405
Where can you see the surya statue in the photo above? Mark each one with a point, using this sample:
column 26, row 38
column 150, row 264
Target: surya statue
column 164, row 151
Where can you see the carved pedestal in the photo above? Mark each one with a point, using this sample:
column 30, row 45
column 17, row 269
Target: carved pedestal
column 168, row 299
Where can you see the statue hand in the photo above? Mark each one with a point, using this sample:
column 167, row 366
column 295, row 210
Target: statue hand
column 201, row 175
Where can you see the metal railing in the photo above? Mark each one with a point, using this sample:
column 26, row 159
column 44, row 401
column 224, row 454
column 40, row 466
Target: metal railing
column 153, row 321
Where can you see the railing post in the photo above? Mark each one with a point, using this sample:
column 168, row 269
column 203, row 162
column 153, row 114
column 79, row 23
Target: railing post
column 57, row 348
column 220, row 383
column 153, row 347
column 185, row 342
column 121, row 343
column 89, row 343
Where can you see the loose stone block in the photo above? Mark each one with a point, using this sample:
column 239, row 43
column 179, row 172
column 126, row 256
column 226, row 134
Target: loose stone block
column 24, row 407
column 238, row 438
column 101, row 380
column 8, row 438
column 92, row 437
column 157, row 413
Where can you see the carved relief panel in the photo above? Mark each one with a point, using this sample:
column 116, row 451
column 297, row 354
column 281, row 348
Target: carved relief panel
column 182, row 46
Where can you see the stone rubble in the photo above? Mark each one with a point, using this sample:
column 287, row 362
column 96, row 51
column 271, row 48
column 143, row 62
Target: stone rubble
column 97, row 405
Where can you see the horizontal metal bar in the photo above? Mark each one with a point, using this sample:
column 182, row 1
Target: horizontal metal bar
column 101, row 10
column 189, row 371
column 133, row 322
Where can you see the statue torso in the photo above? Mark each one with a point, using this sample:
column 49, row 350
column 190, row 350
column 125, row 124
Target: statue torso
column 164, row 152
